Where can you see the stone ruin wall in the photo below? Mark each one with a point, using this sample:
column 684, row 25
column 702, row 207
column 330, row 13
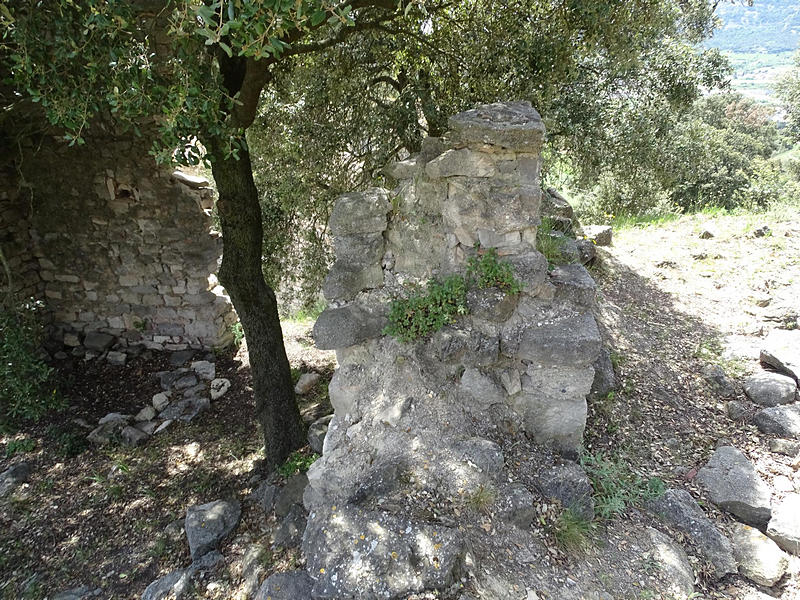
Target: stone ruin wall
column 428, row 415
column 114, row 244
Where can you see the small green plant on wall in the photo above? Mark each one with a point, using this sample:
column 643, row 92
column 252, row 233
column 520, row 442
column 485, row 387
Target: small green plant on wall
column 428, row 311
column 487, row 270
column 442, row 302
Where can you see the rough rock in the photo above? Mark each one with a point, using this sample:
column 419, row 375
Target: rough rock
column 185, row 381
column 605, row 379
column 316, row 433
column 252, row 570
column 707, row 234
column 294, row 585
column 491, row 304
column 264, row 495
column 171, row 585
column 116, row 358
column 148, row 413
column 160, row 401
column 207, row 525
column 13, row 477
column 679, row 509
column 571, row 339
column 781, row 351
column 360, row 212
column 132, row 436
column 98, row 342
column 574, row 284
column 719, row 381
column 770, row 389
column 391, row 557
column 515, row 504
column 185, row 409
column 347, row 326
column 674, row 564
column 219, row 387
column 289, row 533
column 181, row 357
column 784, row 526
column 759, row 558
column 482, row 388
column 204, row 369
column 464, row 163
column 599, row 234
column 306, row 383
column 569, row 484
column 736, row 410
column 290, row 494
column 734, row 485
column 783, row 421
column 108, row 428
column 786, row 447
column 509, row 125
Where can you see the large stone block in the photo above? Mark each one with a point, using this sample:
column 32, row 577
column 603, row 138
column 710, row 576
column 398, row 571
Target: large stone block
column 553, row 404
column 513, row 125
column 344, row 281
column 348, row 325
column 464, row 163
column 567, row 339
column 360, row 212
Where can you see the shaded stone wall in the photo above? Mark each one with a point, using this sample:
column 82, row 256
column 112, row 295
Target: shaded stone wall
column 114, row 243
column 422, row 426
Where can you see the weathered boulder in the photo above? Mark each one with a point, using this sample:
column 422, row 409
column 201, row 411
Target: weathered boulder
column 507, row 125
column 786, row 447
column 185, row 409
column 294, row 585
column 770, row 389
column 97, row 341
column 207, row 525
column 13, row 477
column 204, row 369
column 674, row 563
column 514, row 504
column 570, row 485
column 133, row 436
column 290, row 494
column 571, row 339
column 605, row 379
column 679, row 509
column 781, row 351
column 574, row 285
column 360, row 212
column 719, row 381
column 734, row 485
column 783, row 421
column 759, row 558
column 784, row 526
column 290, row 530
column 219, row 387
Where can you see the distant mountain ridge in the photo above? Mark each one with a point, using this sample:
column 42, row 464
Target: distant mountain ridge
column 769, row 26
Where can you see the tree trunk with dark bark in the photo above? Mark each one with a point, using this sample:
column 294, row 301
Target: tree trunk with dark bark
column 254, row 301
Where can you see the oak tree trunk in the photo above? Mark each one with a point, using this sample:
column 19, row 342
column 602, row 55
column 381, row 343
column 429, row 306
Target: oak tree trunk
column 255, row 302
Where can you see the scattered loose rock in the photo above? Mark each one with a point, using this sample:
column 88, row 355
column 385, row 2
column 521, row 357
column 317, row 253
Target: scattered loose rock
column 679, row 509
column 759, row 558
column 132, row 436
column 291, row 494
column 783, row 421
column 207, row 525
column 570, row 485
column 204, row 369
column 781, row 351
column 12, row 477
column 719, row 381
column 734, row 485
column 219, row 387
column 306, row 383
column 786, row 447
column 770, row 389
column 784, row 526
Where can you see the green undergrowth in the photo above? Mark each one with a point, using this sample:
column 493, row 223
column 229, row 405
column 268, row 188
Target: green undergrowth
column 298, row 462
column 548, row 244
column 441, row 302
column 27, row 389
column 616, row 487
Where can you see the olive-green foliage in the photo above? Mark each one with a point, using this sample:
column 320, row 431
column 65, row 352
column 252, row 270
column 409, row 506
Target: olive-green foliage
column 615, row 486
column 421, row 314
column 297, row 462
column 714, row 155
column 789, row 92
column 486, row 270
column 26, row 387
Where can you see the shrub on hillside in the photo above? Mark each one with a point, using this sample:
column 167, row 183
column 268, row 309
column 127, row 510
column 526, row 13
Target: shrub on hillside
column 26, row 388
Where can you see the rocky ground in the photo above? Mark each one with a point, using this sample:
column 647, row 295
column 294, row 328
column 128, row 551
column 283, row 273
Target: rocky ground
column 687, row 305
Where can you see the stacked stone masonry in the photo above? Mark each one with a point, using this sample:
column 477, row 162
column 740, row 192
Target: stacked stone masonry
column 114, row 243
column 424, row 412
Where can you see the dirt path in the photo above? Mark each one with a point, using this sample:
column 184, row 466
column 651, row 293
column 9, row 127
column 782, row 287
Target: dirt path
column 675, row 303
